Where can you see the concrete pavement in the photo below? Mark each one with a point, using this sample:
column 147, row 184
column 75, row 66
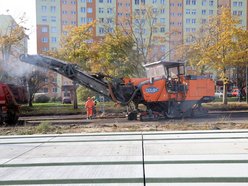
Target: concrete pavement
column 134, row 159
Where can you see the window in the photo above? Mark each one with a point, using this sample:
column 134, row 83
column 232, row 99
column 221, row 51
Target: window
column 187, row 11
column 187, row 21
column 240, row 13
column 162, row 11
column 89, row 1
column 89, row 10
column 109, row 1
column 44, row 18
column 179, row 14
column 45, row 49
column 53, row 9
column 204, row 2
column 193, row 21
column 235, row 12
column 154, row 1
column 154, row 20
column 89, row 20
column 109, row 20
column 193, row 2
column 44, row 40
column 143, row 1
column 44, row 29
column 101, row 30
column 73, row 12
column 101, row 10
column 73, row 2
column 204, row 21
column 109, row 10
column 193, row 12
column 172, row 4
column 162, row 20
column 54, row 39
column 211, row 12
column 162, row 2
column 100, row 1
column 64, row 12
column 64, row 22
column 101, row 20
column 193, row 30
column 83, row 20
column 82, row 1
column 53, row 19
column 187, row 2
column 64, row 2
column 187, row 29
column 211, row 3
column 110, row 30
column 73, row 23
column 54, row 29
column 179, row 5
column 204, row 12
column 155, row 10
column 235, row 3
column 162, row 29
column 83, row 9
column 55, row 90
column 43, row 8
column 240, row 3
column 45, row 90
column 136, row 2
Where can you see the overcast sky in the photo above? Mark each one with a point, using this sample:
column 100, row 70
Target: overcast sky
column 16, row 8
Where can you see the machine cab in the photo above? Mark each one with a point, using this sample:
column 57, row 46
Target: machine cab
column 173, row 72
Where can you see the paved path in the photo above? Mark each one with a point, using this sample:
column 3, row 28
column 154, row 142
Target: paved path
column 196, row 158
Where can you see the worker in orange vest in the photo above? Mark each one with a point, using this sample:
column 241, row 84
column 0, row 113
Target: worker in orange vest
column 89, row 107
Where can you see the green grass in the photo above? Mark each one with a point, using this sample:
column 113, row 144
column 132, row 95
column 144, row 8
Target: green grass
column 64, row 109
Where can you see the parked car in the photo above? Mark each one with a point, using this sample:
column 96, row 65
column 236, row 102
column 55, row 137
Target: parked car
column 218, row 94
column 235, row 92
column 66, row 100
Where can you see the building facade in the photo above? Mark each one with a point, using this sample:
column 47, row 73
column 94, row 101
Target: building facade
column 174, row 20
column 11, row 48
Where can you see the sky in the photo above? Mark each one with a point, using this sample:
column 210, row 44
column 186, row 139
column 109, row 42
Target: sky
column 16, row 8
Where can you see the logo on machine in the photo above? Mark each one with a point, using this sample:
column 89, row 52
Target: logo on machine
column 152, row 90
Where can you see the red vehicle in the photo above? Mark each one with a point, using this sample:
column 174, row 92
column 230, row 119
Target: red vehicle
column 172, row 95
column 10, row 98
column 235, row 92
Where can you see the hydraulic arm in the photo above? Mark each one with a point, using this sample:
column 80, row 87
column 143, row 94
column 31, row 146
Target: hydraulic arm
column 114, row 88
column 70, row 71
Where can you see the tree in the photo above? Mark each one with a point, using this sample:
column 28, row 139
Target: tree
column 114, row 56
column 148, row 33
column 214, row 49
column 35, row 81
column 75, row 48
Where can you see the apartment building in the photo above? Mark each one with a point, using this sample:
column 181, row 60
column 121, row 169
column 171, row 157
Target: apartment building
column 179, row 18
column 9, row 54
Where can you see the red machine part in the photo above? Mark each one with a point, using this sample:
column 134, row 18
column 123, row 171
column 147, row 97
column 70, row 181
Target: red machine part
column 9, row 108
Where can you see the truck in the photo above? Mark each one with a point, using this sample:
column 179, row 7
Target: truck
column 172, row 95
column 11, row 97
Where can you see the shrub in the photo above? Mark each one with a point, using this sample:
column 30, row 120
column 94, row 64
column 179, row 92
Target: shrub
column 42, row 99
